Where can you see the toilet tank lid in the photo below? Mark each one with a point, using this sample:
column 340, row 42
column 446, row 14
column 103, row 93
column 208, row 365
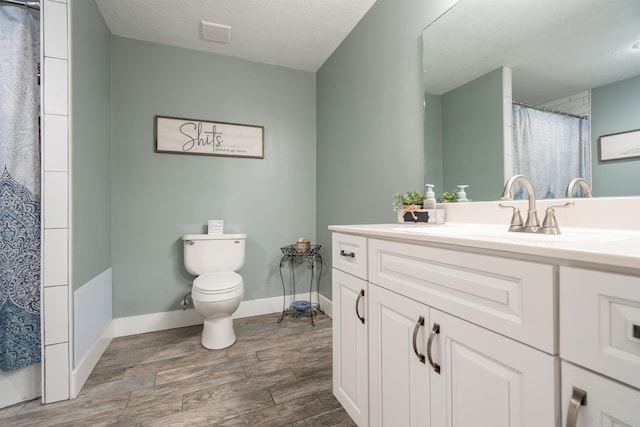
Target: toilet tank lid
column 214, row 236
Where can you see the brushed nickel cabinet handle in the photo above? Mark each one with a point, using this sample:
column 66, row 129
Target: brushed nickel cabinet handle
column 434, row 331
column 419, row 323
column 578, row 398
column 347, row 254
column 360, row 295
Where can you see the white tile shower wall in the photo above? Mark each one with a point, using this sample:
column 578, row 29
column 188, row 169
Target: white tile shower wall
column 507, row 111
column 578, row 104
column 56, row 200
column 55, row 32
column 56, row 319
column 56, row 132
column 56, row 364
column 56, row 257
column 55, row 86
column 56, row 372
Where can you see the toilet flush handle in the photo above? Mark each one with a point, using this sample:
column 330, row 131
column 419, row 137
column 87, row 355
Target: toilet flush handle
column 190, row 242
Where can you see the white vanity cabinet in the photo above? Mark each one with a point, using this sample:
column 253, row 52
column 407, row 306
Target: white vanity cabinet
column 431, row 368
column 350, row 338
column 464, row 330
column 600, row 348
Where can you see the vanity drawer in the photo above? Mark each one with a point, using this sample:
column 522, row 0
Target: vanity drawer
column 349, row 254
column 600, row 322
column 514, row 298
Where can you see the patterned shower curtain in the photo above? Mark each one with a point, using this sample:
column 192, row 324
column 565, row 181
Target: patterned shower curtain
column 19, row 189
column 550, row 149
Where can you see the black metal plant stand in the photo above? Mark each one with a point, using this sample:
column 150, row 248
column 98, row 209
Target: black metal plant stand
column 310, row 257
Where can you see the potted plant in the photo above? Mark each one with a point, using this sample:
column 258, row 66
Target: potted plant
column 447, row 197
column 410, row 201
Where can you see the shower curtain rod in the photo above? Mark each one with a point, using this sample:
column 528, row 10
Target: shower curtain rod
column 550, row 110
column 30, row 4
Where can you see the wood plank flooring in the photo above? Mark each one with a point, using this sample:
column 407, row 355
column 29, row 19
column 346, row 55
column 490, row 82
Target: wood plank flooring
column 276, row 374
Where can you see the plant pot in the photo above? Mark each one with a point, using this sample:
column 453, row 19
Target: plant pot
column 411, row 207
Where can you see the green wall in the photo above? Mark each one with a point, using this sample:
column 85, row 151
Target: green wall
column 370, row 125
column 91, row 159
column 156, row 198
column 472, row 137
column 615, row 108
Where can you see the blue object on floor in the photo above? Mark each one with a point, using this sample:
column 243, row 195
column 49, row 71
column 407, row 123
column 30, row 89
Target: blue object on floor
column 301, row 305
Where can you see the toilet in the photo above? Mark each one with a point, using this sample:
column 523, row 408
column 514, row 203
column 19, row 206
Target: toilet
column 217, row 291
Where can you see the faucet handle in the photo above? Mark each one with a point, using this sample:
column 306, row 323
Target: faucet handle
column 517, row 224
column 550, row 224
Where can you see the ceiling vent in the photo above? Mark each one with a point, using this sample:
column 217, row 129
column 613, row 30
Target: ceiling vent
column 220, row 33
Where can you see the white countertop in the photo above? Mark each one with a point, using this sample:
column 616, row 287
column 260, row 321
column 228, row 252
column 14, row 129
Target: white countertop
column 615, row 248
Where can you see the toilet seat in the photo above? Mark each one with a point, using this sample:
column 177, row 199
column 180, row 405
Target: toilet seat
column 218, row 283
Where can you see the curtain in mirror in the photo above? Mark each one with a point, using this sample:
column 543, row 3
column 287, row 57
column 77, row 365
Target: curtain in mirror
column 550, row 149
column 19, row 188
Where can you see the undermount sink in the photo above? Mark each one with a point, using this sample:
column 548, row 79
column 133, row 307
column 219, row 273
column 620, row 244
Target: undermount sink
column 500, row 232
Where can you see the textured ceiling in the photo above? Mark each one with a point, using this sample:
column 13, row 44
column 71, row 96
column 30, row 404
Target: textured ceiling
column 554, row 47
column 299, row 34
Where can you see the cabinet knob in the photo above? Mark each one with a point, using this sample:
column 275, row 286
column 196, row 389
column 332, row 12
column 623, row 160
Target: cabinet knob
column 578, row 398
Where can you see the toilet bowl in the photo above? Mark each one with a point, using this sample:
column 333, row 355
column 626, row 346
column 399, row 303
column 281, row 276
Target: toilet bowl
column 216, row 296
column 217, row 291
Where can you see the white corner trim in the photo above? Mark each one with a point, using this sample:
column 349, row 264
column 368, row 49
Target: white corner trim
column 81, row 373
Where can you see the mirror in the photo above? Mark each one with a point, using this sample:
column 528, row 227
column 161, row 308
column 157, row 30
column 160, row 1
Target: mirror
column 482, row 54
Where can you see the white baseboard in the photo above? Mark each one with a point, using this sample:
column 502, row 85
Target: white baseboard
column 124, row 326
column 82, row 371
column 152, row 322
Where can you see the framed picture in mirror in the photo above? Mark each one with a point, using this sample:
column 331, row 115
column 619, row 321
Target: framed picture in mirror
column 617, row 146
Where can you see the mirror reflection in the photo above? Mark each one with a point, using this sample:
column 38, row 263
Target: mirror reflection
column 529, row 87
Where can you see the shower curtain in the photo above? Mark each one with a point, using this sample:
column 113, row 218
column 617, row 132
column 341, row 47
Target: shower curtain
column 550, row 149
column 19, row 188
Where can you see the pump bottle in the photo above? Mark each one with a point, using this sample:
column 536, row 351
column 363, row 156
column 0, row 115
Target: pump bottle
column 430, row 197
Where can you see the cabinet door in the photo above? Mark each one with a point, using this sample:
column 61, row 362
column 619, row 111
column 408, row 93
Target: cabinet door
column 487, row 379
column 398, row 380
column 608, row 403
column 350, row 361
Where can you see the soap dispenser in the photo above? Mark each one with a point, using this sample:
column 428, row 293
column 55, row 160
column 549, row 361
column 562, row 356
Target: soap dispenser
column 430, row 197
column 461, row 194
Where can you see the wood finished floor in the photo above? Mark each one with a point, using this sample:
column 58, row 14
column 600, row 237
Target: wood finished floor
column 276, row 374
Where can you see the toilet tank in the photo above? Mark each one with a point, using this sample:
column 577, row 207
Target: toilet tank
column 210, row 253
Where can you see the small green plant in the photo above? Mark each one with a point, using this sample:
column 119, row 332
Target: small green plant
column 448, row 197
column 412, row 197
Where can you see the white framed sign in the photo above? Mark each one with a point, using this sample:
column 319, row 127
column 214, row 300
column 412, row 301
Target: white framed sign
column 621, row 145
column 192, row 136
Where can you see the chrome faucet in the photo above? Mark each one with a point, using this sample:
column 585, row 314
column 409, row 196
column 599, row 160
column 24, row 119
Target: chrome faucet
column 532, row 224
column 583, row 183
